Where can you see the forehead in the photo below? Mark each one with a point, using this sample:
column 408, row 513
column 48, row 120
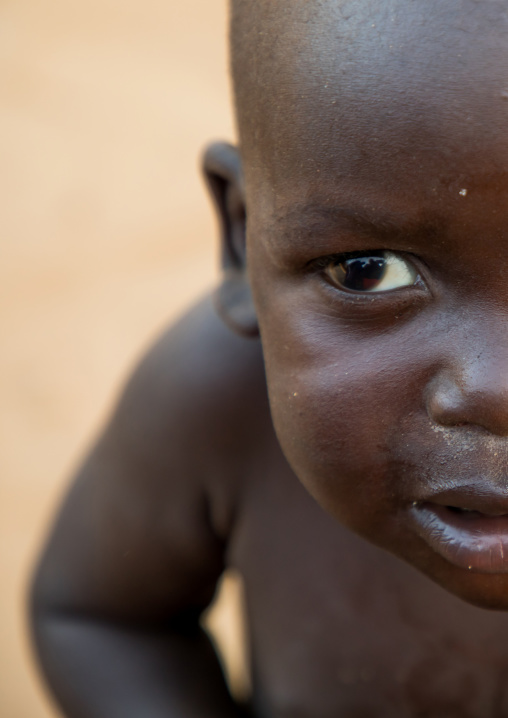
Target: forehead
column 360, row 98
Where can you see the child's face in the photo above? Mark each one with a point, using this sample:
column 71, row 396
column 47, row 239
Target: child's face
column 378, row 251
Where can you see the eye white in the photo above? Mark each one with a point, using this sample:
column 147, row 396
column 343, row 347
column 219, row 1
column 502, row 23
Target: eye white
column 398, row 273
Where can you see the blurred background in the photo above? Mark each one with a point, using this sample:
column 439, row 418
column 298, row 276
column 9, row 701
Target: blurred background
column 106, row 235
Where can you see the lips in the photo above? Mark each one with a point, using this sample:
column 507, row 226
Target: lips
column 468, row 526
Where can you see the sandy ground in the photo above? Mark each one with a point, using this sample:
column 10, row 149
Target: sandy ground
column 106, row 234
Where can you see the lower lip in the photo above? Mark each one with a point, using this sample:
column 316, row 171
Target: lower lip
column 469, row 540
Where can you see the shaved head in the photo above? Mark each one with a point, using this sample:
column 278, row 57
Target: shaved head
column 360, row 67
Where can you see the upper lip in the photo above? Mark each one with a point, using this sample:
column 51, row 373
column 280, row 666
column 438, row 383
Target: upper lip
column 478, row 495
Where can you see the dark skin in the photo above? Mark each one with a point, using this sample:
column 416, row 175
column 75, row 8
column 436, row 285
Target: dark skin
column 379, row 144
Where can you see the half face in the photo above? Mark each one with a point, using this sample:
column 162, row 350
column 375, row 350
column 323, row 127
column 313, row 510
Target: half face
column 378, row 252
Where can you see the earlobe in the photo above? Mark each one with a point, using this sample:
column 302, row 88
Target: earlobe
column 233, row 299
column 233, row 302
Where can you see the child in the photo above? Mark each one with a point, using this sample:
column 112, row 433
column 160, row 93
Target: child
column 374, row 146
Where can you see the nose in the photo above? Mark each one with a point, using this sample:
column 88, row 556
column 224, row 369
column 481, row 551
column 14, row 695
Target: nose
column 472, row 391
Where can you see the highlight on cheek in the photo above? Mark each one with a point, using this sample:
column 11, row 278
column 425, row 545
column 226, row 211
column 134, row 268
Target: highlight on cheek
column 376, row 271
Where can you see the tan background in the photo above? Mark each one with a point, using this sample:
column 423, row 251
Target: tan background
column 105, row 235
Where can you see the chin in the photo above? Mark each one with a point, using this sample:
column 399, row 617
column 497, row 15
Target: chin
column 491, row 601
column 482, row 590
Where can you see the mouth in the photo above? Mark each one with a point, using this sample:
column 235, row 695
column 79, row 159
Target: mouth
column 468, row 529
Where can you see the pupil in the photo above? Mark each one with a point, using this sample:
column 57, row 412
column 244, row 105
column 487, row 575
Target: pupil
column 363, row 273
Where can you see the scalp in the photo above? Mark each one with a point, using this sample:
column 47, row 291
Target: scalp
column 364, row 65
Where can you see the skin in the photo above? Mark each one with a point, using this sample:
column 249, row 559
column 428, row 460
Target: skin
column 378, row 405
column 428, row 360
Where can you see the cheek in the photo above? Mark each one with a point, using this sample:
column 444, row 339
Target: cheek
column 339, row 400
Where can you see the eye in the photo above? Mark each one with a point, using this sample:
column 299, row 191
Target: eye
column 378, row 271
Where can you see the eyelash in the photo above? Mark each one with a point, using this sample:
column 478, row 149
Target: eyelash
column 325, row 261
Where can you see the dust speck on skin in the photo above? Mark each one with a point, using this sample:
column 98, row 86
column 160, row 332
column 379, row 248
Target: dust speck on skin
column 463, row 192
column 464, row 440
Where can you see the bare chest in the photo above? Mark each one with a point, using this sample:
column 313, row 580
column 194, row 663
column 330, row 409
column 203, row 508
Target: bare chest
column 339, row 628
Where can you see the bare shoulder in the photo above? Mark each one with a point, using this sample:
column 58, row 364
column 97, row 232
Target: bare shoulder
column 145, row 522
column 199, row 350
column 200, row 390
column 196, row 400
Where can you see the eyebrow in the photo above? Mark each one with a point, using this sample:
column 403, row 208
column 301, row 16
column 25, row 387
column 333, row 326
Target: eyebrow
column 322, row 221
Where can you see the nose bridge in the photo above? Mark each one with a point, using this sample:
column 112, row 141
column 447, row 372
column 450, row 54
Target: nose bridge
column 471, row 386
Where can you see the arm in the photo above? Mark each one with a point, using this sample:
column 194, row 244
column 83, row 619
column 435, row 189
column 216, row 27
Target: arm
column 138, row 546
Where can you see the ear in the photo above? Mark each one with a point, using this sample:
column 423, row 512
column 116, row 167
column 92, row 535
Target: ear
column 233, row 299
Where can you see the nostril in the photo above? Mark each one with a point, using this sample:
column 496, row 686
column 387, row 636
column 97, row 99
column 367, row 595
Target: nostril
column 447, row 410
column 474, row 399
column 451, row 405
